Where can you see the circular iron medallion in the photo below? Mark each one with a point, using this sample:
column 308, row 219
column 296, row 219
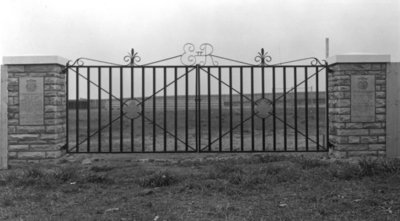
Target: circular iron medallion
column 263, row 108
column 131, row 109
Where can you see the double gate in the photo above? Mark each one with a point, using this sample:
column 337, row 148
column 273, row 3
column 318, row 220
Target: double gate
column 203, row 105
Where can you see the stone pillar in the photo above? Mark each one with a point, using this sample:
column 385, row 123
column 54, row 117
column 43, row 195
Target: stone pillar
column 357, row 105
column 36, row 106
column 3, row 119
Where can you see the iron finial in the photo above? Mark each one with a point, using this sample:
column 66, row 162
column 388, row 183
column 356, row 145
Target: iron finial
column 263, row 58
column 132, row 58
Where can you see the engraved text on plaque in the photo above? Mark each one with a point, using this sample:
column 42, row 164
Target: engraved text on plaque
column 363, row 98
column 31, row 105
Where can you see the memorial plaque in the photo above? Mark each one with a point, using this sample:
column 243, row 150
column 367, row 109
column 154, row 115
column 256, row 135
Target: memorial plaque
column 363, row 98
column 31, row 105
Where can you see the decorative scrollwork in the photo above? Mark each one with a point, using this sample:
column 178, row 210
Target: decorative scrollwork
column 263, row 58
column 77, row 62
column 315, row 62
column 202, row 57
column 132, row 58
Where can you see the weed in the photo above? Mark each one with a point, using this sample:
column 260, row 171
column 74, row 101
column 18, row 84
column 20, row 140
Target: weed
column 66, row 174
column 101, row 168
column 373, row 167
column 7, row 202
column 344, row 171
column 309, row 163
column 34, row 173
column 158, row 179
column 96, row 178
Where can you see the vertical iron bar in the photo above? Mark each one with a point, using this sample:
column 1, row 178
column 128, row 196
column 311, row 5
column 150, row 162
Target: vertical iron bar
column 77, row 109
column 67, row 106
column 274, row 107
column 196, row 108
column 295, row 110
column 326, row 106
column 230, row 111
column 199, row 107
column 220, row 109
column 252, row 107
column 317, row 104
column 165, row 109
column 176, row 108
column 99, row 107
column 154, row 109
column 263, row 96
column 209, row 107
column 132, row 96
column 186, row 108
column 284, row 111
column 306, row 105
column 121, row 105
column 88, row 110
column 143, row 109
column 241, row 109
column 110, row 110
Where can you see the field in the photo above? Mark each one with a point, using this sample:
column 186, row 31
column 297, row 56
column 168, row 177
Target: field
column 245, row 187
column 146, row 136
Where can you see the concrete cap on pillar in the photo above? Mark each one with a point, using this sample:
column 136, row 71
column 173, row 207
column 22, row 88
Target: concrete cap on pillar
column 359, row 58
column 34, row 59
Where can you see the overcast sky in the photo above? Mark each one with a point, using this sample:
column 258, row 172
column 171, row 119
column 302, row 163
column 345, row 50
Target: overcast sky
column 287, row 29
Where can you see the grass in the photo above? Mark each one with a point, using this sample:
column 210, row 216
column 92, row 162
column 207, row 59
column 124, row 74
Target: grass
column 259, row 187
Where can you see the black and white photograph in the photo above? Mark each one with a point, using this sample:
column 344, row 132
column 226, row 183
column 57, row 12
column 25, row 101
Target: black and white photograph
column 225, row 110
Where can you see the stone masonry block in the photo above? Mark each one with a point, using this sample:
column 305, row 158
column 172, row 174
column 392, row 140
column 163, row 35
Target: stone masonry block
column 377, row 131
column 31, row 155
column 44, row 147
column 50, row 108
column 340, row 103
column 381, row 94
column 38, row 74
column 54, row 154
column 43, row 68
column 354, row 125
column 381, row 117
column 54, row 80
column 54, row 121
column 369, row 139
column 350, row 132
column 16, row 147
column 339, row 95
column 338, row 125
column 377, row 66
column 372, row 125
column 340, row 118
column 30, row 129
column 382, row 82
column 342, row 110
column 15, row 68
column 376, row 147
column 357, row 147
column 381, row 110
column 53, row 87
column 380, row 102
column 24, row 137
column 55, row 129
column 338, row 139
column 354, row 139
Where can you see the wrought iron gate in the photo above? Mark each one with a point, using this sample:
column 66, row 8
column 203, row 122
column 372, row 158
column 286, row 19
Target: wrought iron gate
column 203, row 105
